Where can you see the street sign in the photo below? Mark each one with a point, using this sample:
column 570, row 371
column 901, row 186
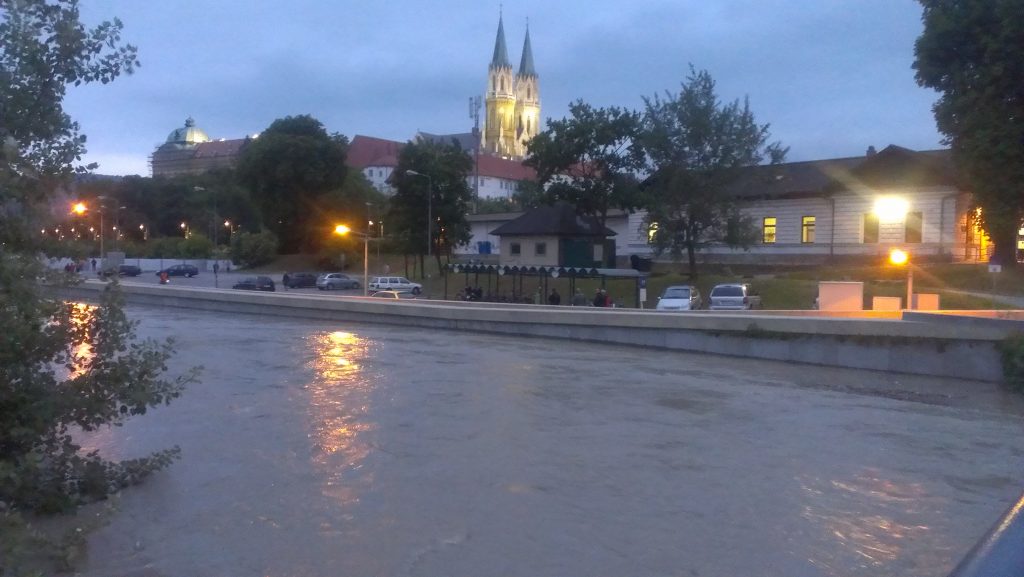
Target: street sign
column 995, row 268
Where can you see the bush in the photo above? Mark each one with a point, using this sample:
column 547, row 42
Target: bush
column 249, row 250
column 196, row 246
column 1012, row 352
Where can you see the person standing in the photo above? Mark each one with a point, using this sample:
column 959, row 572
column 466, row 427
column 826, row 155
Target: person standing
column 93, row 265
column 579, row 299
column 598, row 298
column 284, row 281
column 554, row 298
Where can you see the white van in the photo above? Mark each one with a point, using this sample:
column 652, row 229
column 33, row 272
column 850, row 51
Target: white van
column 394, row 283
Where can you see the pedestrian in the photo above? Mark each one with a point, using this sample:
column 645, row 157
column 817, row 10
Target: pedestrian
column 284, row 281
column 598, row 298
column 554, row 298
column 93, row 265
column 537, row 296
column 607, row 299
column 216, row 267
column 579, row 299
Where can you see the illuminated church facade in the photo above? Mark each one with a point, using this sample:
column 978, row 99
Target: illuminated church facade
column 512, row 114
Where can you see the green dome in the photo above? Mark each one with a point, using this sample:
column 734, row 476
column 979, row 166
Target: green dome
column 187, row 135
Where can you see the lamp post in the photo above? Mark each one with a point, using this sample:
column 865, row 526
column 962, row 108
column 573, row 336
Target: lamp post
column 900, row 258
column 430, row 209
column 343, row 230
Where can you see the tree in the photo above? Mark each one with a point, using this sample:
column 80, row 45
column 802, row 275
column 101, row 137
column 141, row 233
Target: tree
column 289, row 169
column 696, row 147
column 589, row 159
column 972, row 53
column 61, row 365
column 438, row 187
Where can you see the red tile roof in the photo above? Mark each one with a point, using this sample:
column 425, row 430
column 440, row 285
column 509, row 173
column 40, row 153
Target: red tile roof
column 495, row 167
column 366, row 151
column 220, row 148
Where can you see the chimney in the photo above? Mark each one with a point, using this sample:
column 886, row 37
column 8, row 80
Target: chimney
column 871, row 151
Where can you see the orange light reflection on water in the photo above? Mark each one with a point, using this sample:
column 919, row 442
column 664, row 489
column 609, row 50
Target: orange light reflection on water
column 339, row 397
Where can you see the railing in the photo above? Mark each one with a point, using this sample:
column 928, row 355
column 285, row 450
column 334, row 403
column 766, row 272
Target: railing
column 1000, row 553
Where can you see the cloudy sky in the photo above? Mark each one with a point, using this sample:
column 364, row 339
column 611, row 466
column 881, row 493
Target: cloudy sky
column 831, row 76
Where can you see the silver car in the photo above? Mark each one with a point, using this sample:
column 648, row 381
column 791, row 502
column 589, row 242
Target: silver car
column 335, row 281
column 679, row 298
column 734, row 297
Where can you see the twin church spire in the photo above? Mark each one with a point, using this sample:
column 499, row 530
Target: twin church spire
column 513, row 102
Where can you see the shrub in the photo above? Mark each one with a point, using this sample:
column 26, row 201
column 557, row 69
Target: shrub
column 249, row 250
column 1012, row 352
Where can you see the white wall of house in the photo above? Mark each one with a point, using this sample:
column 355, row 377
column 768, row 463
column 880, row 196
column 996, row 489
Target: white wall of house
column 378, row 177
column 495, row 187
column 529, row 247
column 480, row 231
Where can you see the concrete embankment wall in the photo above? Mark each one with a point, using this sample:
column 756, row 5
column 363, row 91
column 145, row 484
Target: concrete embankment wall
column 938, row 345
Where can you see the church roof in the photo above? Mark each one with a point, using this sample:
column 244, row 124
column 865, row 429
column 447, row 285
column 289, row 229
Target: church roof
column 526, row 63
column 189, row 134
column 500, row 58
column 220, row 148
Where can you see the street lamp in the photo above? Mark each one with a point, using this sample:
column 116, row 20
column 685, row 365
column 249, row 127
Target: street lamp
column 430, row 209
column 145, row 232
column 900, row 258
column 343, row 230
column 184, row 229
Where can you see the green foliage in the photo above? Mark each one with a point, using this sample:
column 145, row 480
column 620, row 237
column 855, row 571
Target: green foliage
column 63, row 367
column 289, row 169
column 972, row 53
column 249, row 249
column 696, row 147
column 1011, row 351
column 588, row 160
column 445, row 168
column 196, row 246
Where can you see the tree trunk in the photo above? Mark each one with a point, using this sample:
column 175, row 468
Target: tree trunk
column 1005, row 239
column 691, row 253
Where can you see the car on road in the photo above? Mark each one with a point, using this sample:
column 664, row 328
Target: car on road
column 395, row 283
column 301, row 279
column 734, row 297
column 680, row 298
column 129, row 270
column 335, row 281
column 255, row 283
column 394, row 295
column 186, row 270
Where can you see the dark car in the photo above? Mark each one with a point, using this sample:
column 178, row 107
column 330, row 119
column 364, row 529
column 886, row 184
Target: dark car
column 255, row 283
column 129, row 270
column 186, row 270
column 301, row 279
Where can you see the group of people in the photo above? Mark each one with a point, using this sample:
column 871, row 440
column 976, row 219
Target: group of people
column 472, row 294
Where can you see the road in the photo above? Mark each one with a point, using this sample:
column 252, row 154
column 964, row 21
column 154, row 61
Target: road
column 323, row 449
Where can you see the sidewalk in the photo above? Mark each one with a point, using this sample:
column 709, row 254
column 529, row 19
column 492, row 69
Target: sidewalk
column 1016, row 302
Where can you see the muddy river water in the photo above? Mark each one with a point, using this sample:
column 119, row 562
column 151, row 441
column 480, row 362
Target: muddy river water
column 326, row 449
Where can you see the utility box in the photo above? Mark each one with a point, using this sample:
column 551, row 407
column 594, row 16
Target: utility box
column 840, row 296
column 886, row 303
column 926, row 301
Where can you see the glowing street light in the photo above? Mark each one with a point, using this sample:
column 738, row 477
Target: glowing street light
column 184, row 229
column 343, row 230
column 900, row 258
column 79, row 208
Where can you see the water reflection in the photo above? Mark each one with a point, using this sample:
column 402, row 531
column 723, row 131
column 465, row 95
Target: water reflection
column 866, row 522
column 339, row 406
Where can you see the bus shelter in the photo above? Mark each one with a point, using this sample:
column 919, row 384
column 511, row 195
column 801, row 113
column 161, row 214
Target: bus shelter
column 500, row 283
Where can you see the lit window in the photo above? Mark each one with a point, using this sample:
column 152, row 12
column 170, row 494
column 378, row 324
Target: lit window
column 541, row 249
column 807, row 230
column 871, row 228
column 515, row 249
column 768, row 230
column 913, row 226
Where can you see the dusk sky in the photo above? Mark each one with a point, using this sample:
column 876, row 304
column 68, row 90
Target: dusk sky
column 831, row 77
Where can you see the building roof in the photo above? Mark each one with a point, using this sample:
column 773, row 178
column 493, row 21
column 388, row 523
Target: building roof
column 558, row 220
column 220, row 148
column 366, row 151
column 497, row 167
column 526, row 63
column 500, row 58
column 467, row 141
column 894, row 166
column 189, row 134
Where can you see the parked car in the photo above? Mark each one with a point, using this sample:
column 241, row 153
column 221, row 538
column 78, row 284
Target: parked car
column 336, row 280
column 301, row 279
column 396, row 283
column 255, row 283
column 734, row 297
column 129, row 270
column 394, row 295
column 186, row 270
column 680, row 298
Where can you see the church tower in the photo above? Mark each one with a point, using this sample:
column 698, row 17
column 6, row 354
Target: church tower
column 499, row 122
column 527, row 111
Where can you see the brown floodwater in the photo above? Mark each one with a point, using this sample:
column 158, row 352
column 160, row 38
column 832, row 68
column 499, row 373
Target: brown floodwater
column 319, row 449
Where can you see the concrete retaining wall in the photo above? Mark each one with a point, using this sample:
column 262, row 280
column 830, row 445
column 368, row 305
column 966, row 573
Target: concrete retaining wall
column 928, row 346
